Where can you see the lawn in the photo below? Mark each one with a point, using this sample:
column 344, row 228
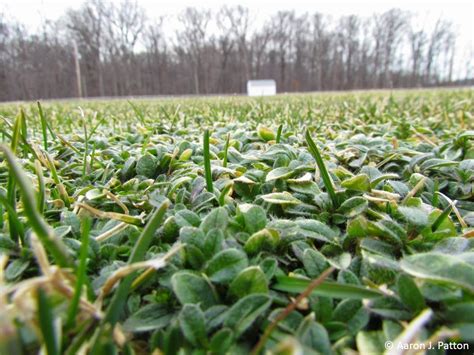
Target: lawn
column 317, row 223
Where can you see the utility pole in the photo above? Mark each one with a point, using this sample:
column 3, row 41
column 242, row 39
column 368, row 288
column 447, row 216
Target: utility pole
column 78, row 70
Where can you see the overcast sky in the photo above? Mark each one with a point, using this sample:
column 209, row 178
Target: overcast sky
column 460, row 12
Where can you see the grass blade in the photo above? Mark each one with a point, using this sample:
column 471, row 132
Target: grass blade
column 278, row 137
column 226, row 149
column 81, row 271
column 41, row 196
column 44, row 126
column 138, row 253
column 225, row 192
column 137, row 111
column 1, row 216
column 86, row 147
column 327, row 288
column 13, row 220
column 313, row 149
column 16, row 132
column 100, row 121
column 207, row 162
column 46, row 321
column 136, row 220
column 40, row 227
column 82, row 335
column 24, row 129
column 409, row 334
column 291, row 307
column 461, row 220
column 11, row 184
column 437, row 223
column 59, row 185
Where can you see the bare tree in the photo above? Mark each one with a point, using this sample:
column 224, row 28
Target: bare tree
column 124, row 26
column 122, row 52
column 388, row 31
column 226, row 44
column 441, row 32
column 239, row 20
column 193, row 39
column 348, row 37
column 86, row 26
column 156, row 48
column 301, row 47
column 283, row 31
column 4, row 59
column 418, row 40
column 319, row 51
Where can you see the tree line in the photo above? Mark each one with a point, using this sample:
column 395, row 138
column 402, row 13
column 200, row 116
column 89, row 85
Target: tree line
column 120, row 51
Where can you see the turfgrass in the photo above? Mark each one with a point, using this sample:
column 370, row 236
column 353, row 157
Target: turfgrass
column 195, row 224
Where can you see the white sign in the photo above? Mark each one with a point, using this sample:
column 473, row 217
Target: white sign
column 261, row 87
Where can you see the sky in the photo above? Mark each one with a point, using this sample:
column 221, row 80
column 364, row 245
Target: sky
column 460, row 12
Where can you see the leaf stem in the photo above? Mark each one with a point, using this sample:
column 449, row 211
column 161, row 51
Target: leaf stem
column 46, row 321
column 81, row 271
column 278, row 137
column 207, row 162
column 313, row 149
column 226, row 149
column 44, row 126
column 38, row 224
column 290, row 308
column 115, row 308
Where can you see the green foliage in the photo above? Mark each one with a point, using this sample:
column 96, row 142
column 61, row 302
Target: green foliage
column 245, row 312
column 151, row 317
column 192, row 288
column 192, row 324
column 225, row 266
column 455, row 270
column 248, row 281
column 147, row 166
column 281, row 190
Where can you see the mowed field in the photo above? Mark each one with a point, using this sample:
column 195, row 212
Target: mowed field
column 329, row 223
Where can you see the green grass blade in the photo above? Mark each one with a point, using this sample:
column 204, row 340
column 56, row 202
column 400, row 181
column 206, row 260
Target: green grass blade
column 81, row 271
column 207, row 162
column 16, row 132
column 224, row 193
column 278, row 137
column 137, row 111
column 13, row 220
column 1, row 217
column 313, row 149
column 81, row 336
column 435, row 199
column 86, row 150
column 437, row 223
column 226, row 150
column 44, row 126
column 59, row 185
column 171, row 118
column 138, row 253
column 24, row 129
column 39, row 225
column 327, row 288
column 5, row 135
column 119, row 298
column 11, row 184
column 46, row 321
column 41, row 195
column 100, row 120
column 92, row 155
